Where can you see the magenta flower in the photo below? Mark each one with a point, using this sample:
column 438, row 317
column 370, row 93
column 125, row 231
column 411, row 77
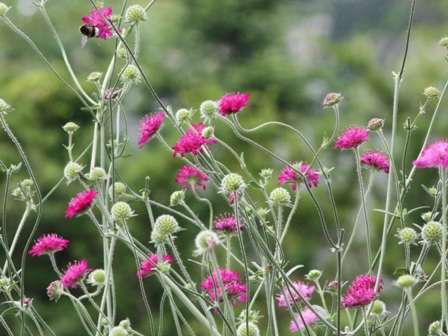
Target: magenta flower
column 148, row 266
column 190, row 177
column 376, row 160
column 48, row 244
column 308, row 316
column 232, row 284
column 192, row 141
column 111, row 93
column 302, row 288
column 433, row 156
column 361, row 292
column 352, row 137
column 233, row 103
column 290, row 176
column 227, row 223
column 238, row 194
column 80, row 203
column 75, row 273
column 95, row 20
column 149, row 125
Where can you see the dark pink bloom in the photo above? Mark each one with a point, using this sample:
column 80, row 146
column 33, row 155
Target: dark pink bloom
column 307, row 315
column 233, row 103
column 147, row 266
column 111, row 93
column 75, row 273
column 302, row 288
column 191, row 177
column 375, row 159
column 192, row 141
column 232, row 284
column 227, row 223
column 290, row 176
column 95, row 20
column 433, row 156
column 361, row 292
column 49, row 243
column 149, row 125
column 80, row 203
column 352, row 137
column 238, row 193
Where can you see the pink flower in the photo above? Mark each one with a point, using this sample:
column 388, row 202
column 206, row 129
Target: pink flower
column 55, row 289
column 47, row 244
column 361, row 291
column 352, row 137
column 192, row 141
column 111, row 93
column 290, row 176
column 433, row 156
column 233, row 103
column 95, row 20
column 302, row 288
column 375, row 159
column 307, row 315
column 74, row 274
column 232, row 285
column 147, row 266
column 80, row 203
column 149, row 125
column 190, row 177
column 238, row 194
column 227, row 223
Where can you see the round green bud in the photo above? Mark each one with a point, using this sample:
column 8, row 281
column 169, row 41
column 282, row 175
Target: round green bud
column 98, row 174
column 432, row 233
column 117, row 190
column 4, row 107
column 248, row 329
column 4, row 282
column 159, row 238
column 232, row 182
column 406, row 281
column 114, row 18
column 332, row 99
column 266, row 173
column 121, row 52
column 97, row 278
column 375, row 124
column 3, row 8
column 434, row 329
column 94, row 76
column 205, row 241
column 71, row 171
column 125, row 324
column 444, row 42
column 280, row 196
column 183, row 115
column 431, row 93
column 130, row 74
column 262, row 212
column 118, row 331
column 314, row 275
column 427, row 216
column 177, row 197
column 208, row 132
column 27, row 183
column 166, row 224
column 209, row 110
column 121, row 211
column 70, row 127
column 378, row 308
column 407, row 236
column 135, row 14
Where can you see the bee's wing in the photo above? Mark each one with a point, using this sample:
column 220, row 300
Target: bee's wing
column 84, row 40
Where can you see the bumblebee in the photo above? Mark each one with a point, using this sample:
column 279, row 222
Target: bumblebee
column 87, row 32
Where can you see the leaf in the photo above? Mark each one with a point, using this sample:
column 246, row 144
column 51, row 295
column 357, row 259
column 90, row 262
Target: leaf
column 401, row 271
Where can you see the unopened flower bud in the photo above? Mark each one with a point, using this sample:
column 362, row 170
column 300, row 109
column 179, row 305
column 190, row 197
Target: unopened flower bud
column 135, row 13
column 125, row 324
column 248, row 329
column 97, row 278
column 378, row 308
column 71, row 171
column 280, row 196
column 118, row 331
column 205, row 241
column 177, row 197
column 98, row 174
column 431, row 93
column 444, row 42
column 117, row 190
column 209, row 110
column 406, row 281
column 166, row 224
column 55, row 290
column 432, row 233
column 266, row 173
column 207, row 132
column 183, row 115
column 3, row 8
column 375, row 124
column 434, row 328
column 121, row 211
column 232, row 182
column 159, row 238
column 70, row 127
column 94, row 76
column 130, row 74
column 121, row 52
column 332, row 99
column 314, row 275
column 262, row 212
column 5, row 107
column 407, row 236
column 427, row 216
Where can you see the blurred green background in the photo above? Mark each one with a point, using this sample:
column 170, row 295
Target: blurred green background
column 287, row 54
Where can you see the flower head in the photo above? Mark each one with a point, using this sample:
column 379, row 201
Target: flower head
column 47, row 244
column 192, row 141
column 290, row 176
column 227, row 223
column 148, row 265
column 352, row 137
column 376, row 160
column 97, row 21
column 55, row 289
column 233, row 103
column 149, row 125
column 305, row 290
column 75, row 274
column 332, row 99
column 80, row 203
column 232, row 284
column 361, row 292
column 205, row 242
column 433, row 156
column 308, row 317
column 190, row 177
